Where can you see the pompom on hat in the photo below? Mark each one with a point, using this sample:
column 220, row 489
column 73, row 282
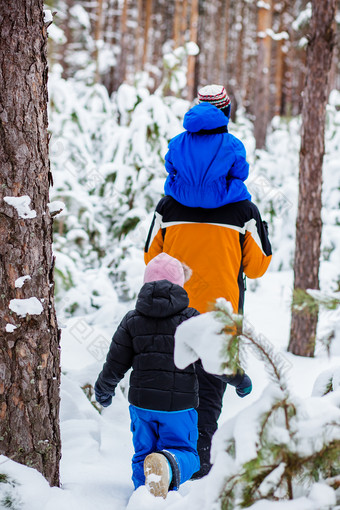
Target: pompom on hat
column 165, row 267
column 214, row 94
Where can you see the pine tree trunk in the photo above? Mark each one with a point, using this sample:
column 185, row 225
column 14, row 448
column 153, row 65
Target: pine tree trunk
column 278, row 77
column 240, row 52
column 64, row 50
column 177, row 22
column 225, row 45
column 115, row 23
column 148, row 12
column 98, row 34
column 263, row 75
column 308, row 224
column 138, row 40
column 123, row 42
column 184, row 22
column 250, row 59
column 212, row 15
column 29, row 355
column 192, row 58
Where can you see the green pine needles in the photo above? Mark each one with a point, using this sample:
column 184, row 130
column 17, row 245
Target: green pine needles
column 9, row 498
column 293, row 442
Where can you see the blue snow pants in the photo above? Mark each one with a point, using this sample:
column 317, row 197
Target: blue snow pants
column 175, row 432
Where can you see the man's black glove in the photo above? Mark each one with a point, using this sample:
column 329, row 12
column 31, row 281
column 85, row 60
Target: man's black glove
column 265, row 225
column 244, row 387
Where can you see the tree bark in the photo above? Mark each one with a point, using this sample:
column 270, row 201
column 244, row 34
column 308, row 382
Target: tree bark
column 98, row 34
column 148, row 12
column 278, row 77
column 123, row 42
column 29, row 355
column 263, row 75
column 280, row 52
column 184, row 22
column 308, row 224
column 138, row 39
column 64, row 50
column 240, row 52
column 192, row 58
column 177, row 23
column 225, row 44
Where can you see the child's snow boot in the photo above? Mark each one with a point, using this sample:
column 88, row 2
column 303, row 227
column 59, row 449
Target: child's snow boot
column 157, row 473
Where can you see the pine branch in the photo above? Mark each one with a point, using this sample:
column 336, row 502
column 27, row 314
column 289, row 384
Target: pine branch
column 333, row 482
column 271, row 359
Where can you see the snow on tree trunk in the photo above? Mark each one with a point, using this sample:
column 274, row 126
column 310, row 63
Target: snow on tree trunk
column 262, row 87
column 308, row 224
column 29, row 345
column 192, row 58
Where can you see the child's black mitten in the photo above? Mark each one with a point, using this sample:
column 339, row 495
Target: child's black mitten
column 102, row 398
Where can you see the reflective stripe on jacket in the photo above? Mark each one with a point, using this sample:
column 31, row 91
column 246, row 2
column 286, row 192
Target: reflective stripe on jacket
column 219, row 245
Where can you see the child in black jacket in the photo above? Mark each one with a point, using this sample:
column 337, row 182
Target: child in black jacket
column 162, row 397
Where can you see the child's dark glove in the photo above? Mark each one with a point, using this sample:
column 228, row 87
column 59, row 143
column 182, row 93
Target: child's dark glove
column 102, row 398
column 245, row 386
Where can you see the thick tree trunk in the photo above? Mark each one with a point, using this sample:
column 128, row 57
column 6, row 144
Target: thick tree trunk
column 29, row 336
column 308, row 224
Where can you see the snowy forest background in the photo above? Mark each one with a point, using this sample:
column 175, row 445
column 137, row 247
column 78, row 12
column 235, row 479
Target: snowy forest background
column 122, row 74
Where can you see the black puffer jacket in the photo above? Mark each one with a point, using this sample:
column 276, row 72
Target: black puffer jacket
column 144, row 341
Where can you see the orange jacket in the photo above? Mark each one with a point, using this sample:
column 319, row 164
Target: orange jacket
column 219, row 245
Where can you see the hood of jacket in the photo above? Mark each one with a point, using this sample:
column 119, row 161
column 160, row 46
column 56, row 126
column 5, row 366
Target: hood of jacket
column 204, row 116
column 207, row 167
column 161, row 299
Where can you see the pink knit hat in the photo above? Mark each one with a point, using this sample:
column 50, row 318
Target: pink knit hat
column 164, row 267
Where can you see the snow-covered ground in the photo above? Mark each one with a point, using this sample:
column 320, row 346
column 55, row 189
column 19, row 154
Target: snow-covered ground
column 99, row 269
column 97, row 448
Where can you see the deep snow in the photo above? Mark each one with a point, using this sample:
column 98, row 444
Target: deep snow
column 97, row 449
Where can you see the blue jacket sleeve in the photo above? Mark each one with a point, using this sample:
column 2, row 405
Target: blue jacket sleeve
column 118, row 360
column 240, row 168
column 168, row 164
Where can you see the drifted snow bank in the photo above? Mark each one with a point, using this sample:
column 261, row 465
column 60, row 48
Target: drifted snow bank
column 200, row 338
column 276, row 426
column 97, row 449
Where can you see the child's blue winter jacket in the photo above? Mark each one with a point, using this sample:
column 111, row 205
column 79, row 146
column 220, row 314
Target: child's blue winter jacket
column 206, row 164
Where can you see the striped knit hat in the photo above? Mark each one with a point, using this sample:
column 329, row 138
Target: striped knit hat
column 214, row 94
